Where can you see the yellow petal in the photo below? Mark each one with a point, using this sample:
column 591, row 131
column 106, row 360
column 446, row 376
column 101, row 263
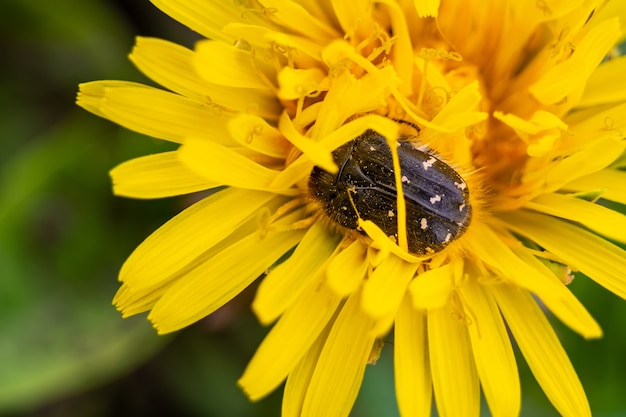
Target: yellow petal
column 131, row 302
column 610, row 183
column 289, row 339
column 455, row 381
column 227, row 65
column 301, row 168
column 402, row 57
column 460, row 112
column 298, row 83
column 541, row 132
column 355, row 128
column 315, row 151
column 454, row 122
column 595, row 123
column 339, row 370
column 598, row 218
column 256, row 134
column 153, row 112
column 612, row 9
column 225, row 165
column 411, row 365
column 157, row 176
column 492, row 349
column 302, row 51
column 298, row 19
column 431, row 289
column 208, row 18
column 385, row 287
column 605, row 84
column 349, row 96
column 185, row 237
column 571, row 74
column 600, row 260
column 292, row 174
column 427, row 8
column 299, row 380
column 384, row 243
column 591, row 158
column 171, row 66
column 542, row 350
column 347, row 269
column 285, row 282
column 527, row 272
column 351, row 14
column 432, row 74
column 133, row 299
column 563, row 304
column 538, row 122
column 217, row 280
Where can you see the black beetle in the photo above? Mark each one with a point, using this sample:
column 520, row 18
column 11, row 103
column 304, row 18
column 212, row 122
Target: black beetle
column 438, row 210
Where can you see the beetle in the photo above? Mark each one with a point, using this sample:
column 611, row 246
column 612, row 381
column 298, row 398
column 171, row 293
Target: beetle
column 438, row 208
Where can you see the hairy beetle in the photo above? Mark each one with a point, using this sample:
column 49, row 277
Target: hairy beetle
column 437, row 198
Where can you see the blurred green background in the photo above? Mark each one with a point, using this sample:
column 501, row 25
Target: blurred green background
column 64, row 350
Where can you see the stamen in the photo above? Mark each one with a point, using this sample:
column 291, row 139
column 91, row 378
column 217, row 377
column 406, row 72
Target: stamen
column 420, row 96
column 294, row 153
column 263, row 222
column 375, row 352
column 218, row 109
column 438, row 53
column 257, row 130
column 285, row 51
column 545, row 255
column 369, row 40
column 434, row 102
column 427, row 54
column 563, row 47
column 260, row 9
column 286, row 208
column 337, row 68
column 380, row 36
column 261, row 74
column 543, row 6
column 266, row 220
column 609, row 126
column 242, row 44
column 596, row 11
column 462, row 311
column 304, row 223
column 413, row 112
column 299, row 107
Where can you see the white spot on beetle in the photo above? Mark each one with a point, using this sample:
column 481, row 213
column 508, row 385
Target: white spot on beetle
column 390, row 213
column 462, row 207
column 448, row 237
column 423, row 223
column 435, row 199
column 460, row 185
column 404, row 179
column 429, row 163
column 344, row 208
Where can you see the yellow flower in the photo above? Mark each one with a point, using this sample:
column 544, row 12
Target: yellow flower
column 514, row 99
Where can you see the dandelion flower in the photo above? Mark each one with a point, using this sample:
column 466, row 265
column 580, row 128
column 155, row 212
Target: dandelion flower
column 283, row 110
